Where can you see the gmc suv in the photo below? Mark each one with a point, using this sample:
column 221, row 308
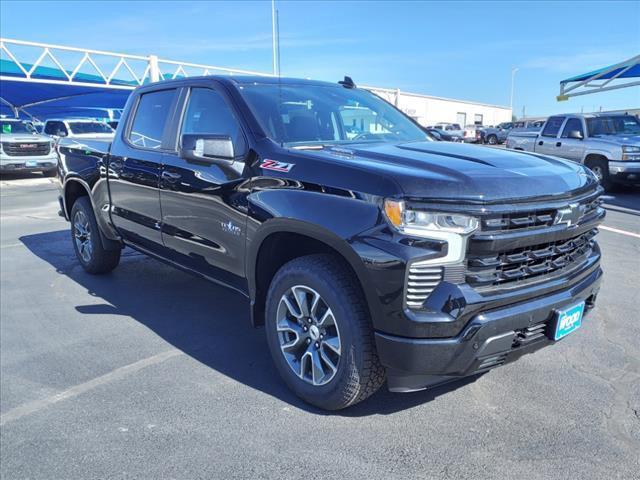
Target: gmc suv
column 380, row 255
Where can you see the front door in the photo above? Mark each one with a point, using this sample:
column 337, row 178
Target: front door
column 571, row 148
column 204, row 204
column 134, row 171
column 546, row 141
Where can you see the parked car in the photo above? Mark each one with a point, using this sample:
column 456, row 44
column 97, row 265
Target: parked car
column 498, row 135
column 471, row 134
column 453, row 129
column 609, row 144
column 77, row 128
column 23, row 149
column 441, row 135
column 384, row 255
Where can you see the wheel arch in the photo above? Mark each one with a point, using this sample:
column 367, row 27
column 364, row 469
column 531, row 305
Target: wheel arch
column 75, row 188
column 281, row 240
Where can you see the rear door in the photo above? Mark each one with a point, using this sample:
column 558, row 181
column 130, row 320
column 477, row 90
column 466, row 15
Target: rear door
column 548, row 138
column 134, row 169
column 204, row 204
column 571, row 148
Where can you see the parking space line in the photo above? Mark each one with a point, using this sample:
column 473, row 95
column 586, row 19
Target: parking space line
column 622, row 232
column 117, row 374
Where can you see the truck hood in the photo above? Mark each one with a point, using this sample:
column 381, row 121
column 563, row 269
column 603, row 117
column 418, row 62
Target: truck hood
column 23, row 138
column 459, row 172
column 619, row 140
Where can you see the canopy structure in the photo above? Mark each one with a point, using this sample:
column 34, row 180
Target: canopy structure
column 39, row 80
column 604, row 79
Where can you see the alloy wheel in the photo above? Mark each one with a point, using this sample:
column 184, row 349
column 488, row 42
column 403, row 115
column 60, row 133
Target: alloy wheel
column 82, row 235
column 308, row 335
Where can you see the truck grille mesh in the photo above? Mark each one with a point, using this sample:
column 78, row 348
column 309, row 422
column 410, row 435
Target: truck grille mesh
column 528, row 262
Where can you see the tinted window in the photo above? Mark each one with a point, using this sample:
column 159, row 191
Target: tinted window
column 572, row 124
column 208, row 113
column 150, row 119
column 15, row 127
column 552, row 126
column 89, row 127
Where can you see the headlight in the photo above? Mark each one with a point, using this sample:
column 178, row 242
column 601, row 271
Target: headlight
column 450, row 227
column 630, row 152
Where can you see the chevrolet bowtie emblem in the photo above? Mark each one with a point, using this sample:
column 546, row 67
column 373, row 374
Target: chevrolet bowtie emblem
column 569, row 215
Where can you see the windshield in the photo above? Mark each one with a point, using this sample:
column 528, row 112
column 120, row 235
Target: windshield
column 89, row 127
column 15, row 127
column 618, row 124
column 317, row 114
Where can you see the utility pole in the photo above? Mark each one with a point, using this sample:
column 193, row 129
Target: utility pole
column 273, row 37
column 513, row 77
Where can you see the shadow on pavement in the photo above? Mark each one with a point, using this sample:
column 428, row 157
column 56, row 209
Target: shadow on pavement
column 623, row 198
column 205, row 321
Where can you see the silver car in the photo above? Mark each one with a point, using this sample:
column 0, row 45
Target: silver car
column 22, row 149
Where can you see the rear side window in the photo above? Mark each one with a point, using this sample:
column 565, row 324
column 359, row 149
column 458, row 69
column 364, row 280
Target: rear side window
column 572, row 124
column 552, row 127
column 150, row 119
column 208, row 113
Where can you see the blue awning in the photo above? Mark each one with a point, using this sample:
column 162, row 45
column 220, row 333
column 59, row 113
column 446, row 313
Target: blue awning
column 632, row 72
column 42, row 97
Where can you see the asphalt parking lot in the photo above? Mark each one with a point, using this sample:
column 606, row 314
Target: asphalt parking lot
column 151, row 373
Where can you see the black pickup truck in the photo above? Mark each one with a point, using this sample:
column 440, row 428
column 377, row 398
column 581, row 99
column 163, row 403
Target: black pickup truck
column 368, row 251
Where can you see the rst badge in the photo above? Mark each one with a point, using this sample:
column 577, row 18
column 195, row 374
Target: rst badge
column 277, row 166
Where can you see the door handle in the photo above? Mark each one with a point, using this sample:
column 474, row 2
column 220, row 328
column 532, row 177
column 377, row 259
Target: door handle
column 558, row 144
column 540, row 142
column 170, row 176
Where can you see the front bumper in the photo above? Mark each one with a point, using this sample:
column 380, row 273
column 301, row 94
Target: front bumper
column 624, row 171
column 492, row 338
column 10, row 163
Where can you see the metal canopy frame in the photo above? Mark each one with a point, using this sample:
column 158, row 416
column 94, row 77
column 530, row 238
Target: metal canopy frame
column 68, row 72
column 600, row 81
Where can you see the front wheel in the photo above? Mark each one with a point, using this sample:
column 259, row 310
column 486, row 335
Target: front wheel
column 492, row 140
column 600, row 169
column 87, row 243
column 320, row 334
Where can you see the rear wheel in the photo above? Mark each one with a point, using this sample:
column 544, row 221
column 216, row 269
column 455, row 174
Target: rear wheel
column 600, row 169
column 320, row 335
column 87, row 243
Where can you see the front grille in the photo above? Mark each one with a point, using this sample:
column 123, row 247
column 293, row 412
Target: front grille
column 535, row 218
column 530, row 334
column 30, row 149
column 528, row 262
column 421, row 281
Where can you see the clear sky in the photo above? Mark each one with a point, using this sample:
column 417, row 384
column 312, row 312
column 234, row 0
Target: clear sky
column 451, row 49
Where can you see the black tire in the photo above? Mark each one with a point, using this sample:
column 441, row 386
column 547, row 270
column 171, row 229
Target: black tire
column 492, row 140
column 92, row 255
column 600, row 167
column 50, row 173
column 358, row 373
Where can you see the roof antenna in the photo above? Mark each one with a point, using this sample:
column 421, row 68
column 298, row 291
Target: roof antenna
column 347, row 82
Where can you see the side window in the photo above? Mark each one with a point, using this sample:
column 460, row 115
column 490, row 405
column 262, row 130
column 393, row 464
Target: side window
column 552, row 127
column 572, row 124
column 208, row 113
column 150, row 119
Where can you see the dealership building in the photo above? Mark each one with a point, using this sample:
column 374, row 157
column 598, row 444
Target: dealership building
column 428, row 110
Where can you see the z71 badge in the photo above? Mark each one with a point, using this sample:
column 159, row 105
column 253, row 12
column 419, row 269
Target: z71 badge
column 277, row 166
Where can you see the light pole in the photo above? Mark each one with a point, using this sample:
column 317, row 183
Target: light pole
column 273, row 36
column 513, row 79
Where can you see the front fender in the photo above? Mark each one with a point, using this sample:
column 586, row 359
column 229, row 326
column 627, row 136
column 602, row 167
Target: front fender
column 335, row 220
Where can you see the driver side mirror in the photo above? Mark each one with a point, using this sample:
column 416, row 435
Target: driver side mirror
column 576, row 135
column 201, row 147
